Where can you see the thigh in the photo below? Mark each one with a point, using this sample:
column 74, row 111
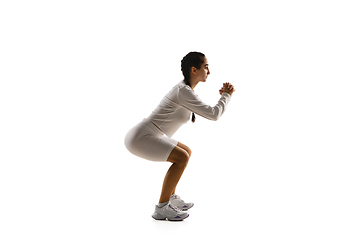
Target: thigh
column 152, row 148
column 143, row 142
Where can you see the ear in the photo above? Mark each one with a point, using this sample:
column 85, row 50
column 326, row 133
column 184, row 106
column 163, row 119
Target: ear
column 193, row 70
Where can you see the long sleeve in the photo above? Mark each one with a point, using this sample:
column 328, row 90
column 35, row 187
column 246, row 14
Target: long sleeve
column 189, row 100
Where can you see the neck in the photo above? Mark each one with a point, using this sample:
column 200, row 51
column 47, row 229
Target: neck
column 193, row 83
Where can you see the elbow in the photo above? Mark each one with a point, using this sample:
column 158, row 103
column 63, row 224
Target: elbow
column 215, row 118
column 215, row 115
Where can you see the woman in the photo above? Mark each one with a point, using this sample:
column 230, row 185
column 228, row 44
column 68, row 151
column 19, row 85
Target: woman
column 147, row 140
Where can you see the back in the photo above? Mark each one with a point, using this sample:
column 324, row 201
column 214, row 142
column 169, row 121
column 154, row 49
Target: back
column 169, row 115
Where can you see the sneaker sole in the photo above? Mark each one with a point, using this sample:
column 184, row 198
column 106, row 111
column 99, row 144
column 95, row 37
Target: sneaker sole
column 157, row 216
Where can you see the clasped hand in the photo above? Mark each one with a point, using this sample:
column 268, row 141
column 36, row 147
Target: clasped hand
column 228, row 88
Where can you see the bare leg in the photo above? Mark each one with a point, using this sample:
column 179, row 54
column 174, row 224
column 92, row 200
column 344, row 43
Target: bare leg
column 188, row 150
column 171, row 179
column 179, row 157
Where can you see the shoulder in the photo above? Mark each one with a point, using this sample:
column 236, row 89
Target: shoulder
column 182, row 85
column 186, row 93
column 183, row 88
column 179, row 91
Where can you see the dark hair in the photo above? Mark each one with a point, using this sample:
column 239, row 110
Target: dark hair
column 192, row 59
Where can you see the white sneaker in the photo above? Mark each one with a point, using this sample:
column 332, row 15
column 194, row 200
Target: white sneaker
column 177, row 202
column 169, row 212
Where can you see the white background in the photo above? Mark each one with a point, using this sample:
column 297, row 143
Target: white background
column 282, row 162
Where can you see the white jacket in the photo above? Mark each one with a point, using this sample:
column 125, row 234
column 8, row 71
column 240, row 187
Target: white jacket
column 175, row 108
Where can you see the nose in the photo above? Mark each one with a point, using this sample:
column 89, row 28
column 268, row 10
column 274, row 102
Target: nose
column 208, row 72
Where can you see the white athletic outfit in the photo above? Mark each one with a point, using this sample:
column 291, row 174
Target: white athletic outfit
column 147, row 140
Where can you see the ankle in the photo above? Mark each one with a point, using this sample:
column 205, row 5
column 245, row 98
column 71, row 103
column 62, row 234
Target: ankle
column 164, row 199
column 162, row 204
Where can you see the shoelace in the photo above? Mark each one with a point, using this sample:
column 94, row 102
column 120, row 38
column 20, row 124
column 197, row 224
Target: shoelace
column 178, row 197
column 175, row 208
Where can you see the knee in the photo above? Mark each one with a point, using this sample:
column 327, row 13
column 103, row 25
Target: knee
column 187, row 149
column 189, row 152
column 183, row 159
column 184, row 147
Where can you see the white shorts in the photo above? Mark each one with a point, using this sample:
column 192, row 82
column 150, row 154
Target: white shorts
column 145, row 140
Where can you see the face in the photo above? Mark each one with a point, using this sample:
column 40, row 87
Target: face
column 202, row 73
